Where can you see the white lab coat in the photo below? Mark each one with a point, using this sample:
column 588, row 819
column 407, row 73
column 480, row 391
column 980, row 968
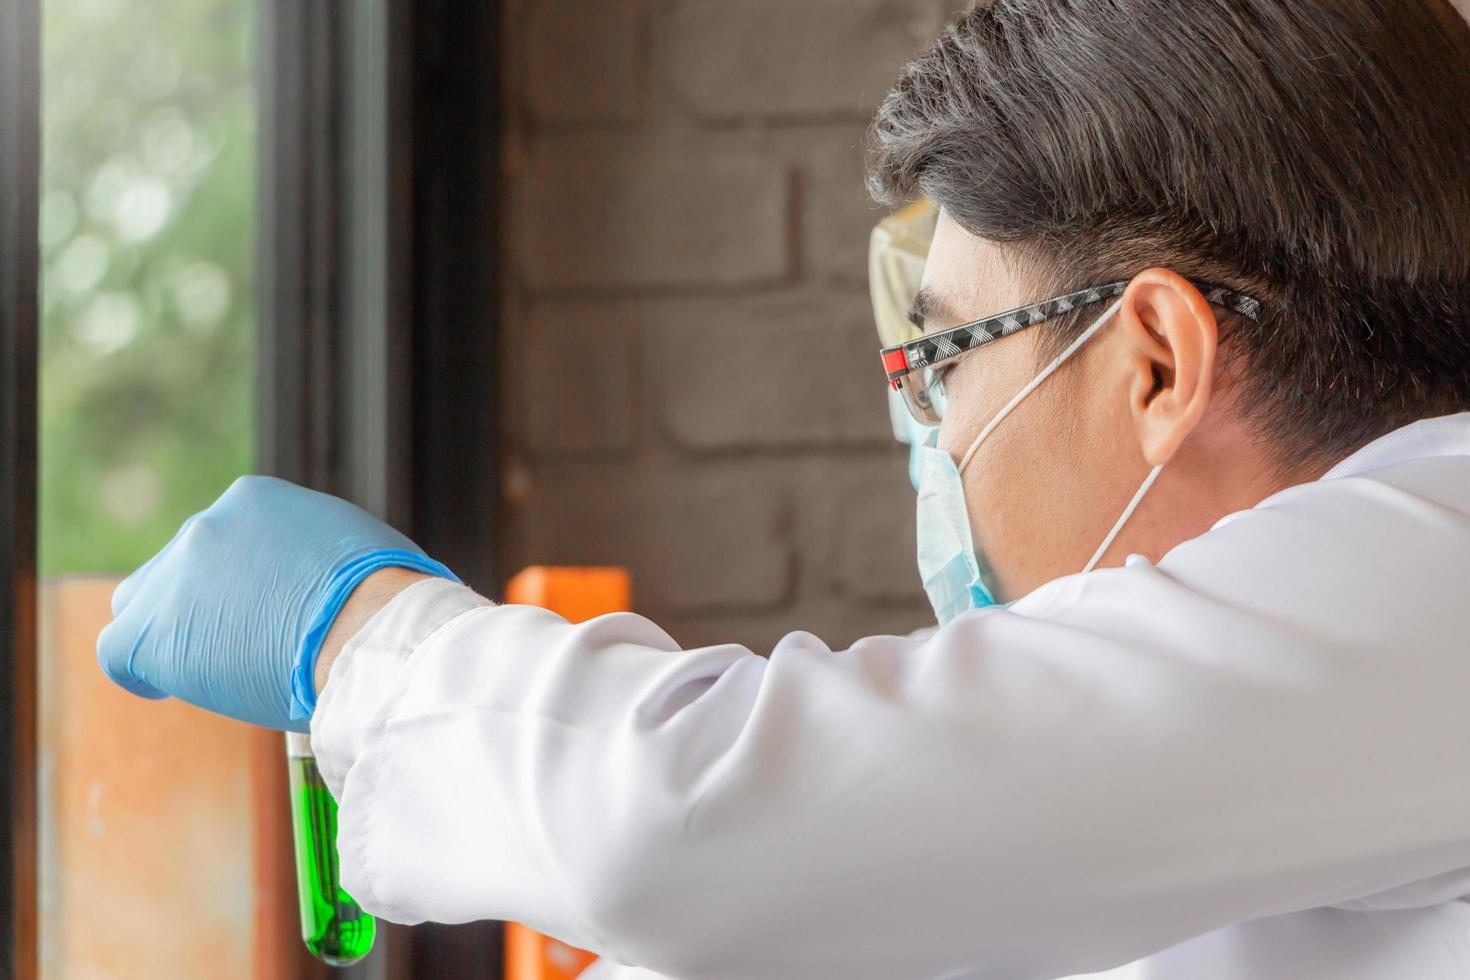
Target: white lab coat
column 1250, row 761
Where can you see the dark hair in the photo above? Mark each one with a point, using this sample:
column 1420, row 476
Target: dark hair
column 1314, row 154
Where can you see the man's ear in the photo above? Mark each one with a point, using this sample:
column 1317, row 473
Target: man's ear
column 1171, row 339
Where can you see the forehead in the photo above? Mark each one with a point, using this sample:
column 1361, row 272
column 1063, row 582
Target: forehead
column 967, row 277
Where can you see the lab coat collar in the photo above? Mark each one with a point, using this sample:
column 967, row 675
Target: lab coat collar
column 1448, row 435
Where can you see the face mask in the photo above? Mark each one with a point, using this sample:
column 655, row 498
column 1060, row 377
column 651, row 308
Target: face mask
column 955, row 577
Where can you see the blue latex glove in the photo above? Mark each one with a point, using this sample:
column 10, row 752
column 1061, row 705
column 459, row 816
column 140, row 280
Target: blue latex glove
column 231, row 614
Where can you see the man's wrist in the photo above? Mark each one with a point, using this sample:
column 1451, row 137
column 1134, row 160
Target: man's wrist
column 371, row 595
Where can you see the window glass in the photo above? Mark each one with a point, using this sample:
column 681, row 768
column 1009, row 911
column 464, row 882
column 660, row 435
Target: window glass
column 148, row 813
column 147, row 249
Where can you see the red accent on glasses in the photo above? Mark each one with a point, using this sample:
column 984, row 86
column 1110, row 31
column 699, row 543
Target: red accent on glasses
column 897, row 365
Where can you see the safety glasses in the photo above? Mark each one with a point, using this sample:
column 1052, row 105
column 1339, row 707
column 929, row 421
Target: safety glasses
column 916, row 368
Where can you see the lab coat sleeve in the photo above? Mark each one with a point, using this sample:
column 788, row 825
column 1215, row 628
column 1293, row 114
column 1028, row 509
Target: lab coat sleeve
column 1119, row 762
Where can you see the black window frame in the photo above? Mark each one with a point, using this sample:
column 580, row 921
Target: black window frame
column 378, row 258
column 20, row 114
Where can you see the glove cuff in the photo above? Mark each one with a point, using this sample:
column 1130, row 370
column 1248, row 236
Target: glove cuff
column 324, row 614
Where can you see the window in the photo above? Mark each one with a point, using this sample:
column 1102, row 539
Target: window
column 262, row 240
column 146, row 227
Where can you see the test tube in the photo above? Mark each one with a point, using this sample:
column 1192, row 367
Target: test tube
column 336, row 930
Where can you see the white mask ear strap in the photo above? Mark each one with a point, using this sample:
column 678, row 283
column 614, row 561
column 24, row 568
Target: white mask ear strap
column 1036, row 381
column 1127, row 513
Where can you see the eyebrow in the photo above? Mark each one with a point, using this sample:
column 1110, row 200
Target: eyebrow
column 928, row 307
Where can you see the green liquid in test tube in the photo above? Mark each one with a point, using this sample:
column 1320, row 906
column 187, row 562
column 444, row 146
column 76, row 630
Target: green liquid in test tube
column 333, row 926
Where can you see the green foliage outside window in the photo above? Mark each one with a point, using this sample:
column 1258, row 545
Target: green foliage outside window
column 147, row 239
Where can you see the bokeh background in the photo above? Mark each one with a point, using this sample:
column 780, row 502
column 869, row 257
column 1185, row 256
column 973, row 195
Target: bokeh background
column 147, row 218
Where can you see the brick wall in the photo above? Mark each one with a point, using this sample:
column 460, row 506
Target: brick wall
column 693, row 388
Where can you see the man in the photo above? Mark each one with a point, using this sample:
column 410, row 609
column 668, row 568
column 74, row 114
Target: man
column 1196, row 316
